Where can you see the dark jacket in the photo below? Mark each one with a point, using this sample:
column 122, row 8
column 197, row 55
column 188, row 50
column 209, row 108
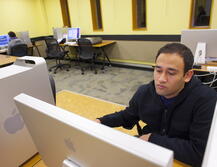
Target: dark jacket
column 182, row 127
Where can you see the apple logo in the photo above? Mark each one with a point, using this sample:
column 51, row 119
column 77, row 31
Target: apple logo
column 13, row 123
column 69, row 144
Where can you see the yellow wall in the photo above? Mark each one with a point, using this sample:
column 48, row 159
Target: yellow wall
column 53, row 14
column 39, row 16
column 20, row 15
column 214, row 15
column 163, row 16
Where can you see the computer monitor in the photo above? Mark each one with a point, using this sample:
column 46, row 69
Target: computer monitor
column 210, row 159
column 73, row 33
column 60, row 33
column 209, row 36
column 60, row 135
column 4, row 40
column 24, row 35
column 57, row 33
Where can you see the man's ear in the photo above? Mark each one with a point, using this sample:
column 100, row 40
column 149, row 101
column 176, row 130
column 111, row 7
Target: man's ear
column 188, row 75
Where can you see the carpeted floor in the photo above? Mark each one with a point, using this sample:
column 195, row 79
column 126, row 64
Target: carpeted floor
column 115, row 84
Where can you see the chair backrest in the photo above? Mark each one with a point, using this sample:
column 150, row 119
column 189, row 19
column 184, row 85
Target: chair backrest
column 207, row 78
column 19, row 50
column 86, row 50
column 53, row 48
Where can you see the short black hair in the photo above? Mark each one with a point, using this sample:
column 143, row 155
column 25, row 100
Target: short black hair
column 11, row 34
column 181, row 50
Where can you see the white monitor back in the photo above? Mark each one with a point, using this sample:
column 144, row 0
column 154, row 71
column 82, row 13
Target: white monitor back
column 192, row 37
column 16, row 145
column 210, row 159
column 60, row 33
column 24, row 35
column 85, row 143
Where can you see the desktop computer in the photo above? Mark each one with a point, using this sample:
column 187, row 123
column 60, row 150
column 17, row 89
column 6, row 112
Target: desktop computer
column 4, row 40
column 73, row 34
column 60, row 33
column 24, row 35
column 30, row 75
column 69, row 140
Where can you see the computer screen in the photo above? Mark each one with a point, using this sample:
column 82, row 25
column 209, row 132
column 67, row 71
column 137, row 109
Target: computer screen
column 210, row 159
column 60, row 135
column 209, row 36
column 4, row 40
column 74, row 33
column 24, row 35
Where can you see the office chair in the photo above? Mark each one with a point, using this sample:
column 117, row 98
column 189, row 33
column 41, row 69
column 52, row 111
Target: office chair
column 19, row 50
column 87, row 53
column 207, row 78
column 54, row 51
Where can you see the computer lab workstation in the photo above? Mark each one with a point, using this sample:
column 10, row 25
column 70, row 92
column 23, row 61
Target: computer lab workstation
column 43, row 128
column 24, row 49
column 67, row 148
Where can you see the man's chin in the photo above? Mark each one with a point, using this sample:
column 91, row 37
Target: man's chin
column 161, row 93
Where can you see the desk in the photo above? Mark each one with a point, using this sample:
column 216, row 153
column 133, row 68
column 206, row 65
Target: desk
column 6, row 60
column 90, row 108
column 99, row 45
column 30, row 46
column 3, row 51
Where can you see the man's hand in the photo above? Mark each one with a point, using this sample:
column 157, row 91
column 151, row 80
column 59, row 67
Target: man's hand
column 145, row 137
column 97, row 120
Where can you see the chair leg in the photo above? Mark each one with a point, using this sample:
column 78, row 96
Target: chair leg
column 93, row 64
column 82, row 69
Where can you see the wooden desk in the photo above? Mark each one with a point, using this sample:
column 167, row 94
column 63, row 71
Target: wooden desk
column 30, row 46
column 99, row 45
column 6, row 60
column 90, row 108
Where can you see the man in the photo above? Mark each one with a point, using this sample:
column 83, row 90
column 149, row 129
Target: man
column 13, row 41
column 176, row 106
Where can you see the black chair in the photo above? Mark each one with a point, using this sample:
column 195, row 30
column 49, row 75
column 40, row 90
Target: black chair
column 86, row 52
column 19, row 50
column 54, row 51
column 207, row 78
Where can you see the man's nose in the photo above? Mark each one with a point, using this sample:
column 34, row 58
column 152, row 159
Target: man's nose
column 163, row 77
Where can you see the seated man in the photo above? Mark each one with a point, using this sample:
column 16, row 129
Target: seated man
column 176, row 106
column 13, row 41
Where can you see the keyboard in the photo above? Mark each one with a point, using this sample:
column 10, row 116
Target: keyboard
column 70, row 43
column 212, row 68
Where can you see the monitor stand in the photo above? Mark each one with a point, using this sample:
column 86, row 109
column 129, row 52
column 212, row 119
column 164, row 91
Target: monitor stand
column 69, row 163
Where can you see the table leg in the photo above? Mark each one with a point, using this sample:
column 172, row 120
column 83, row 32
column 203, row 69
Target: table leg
column 37, row 50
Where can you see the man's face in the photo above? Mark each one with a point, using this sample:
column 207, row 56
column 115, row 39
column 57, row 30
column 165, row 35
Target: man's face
column 169, row 77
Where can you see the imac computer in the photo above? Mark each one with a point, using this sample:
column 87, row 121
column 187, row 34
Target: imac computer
column 210, row 159
column 191, row 38
column 66, row 139
column 60, row 33
column 73, row 34
column 24, row 35
column 4, row 40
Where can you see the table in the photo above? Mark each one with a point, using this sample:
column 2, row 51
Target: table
column 90, row 108
column 30, row 46
column 6, row 60
column 99, row 45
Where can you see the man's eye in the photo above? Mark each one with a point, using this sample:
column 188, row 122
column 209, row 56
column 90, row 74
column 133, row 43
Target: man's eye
column 171, row 73
column 157, row 70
